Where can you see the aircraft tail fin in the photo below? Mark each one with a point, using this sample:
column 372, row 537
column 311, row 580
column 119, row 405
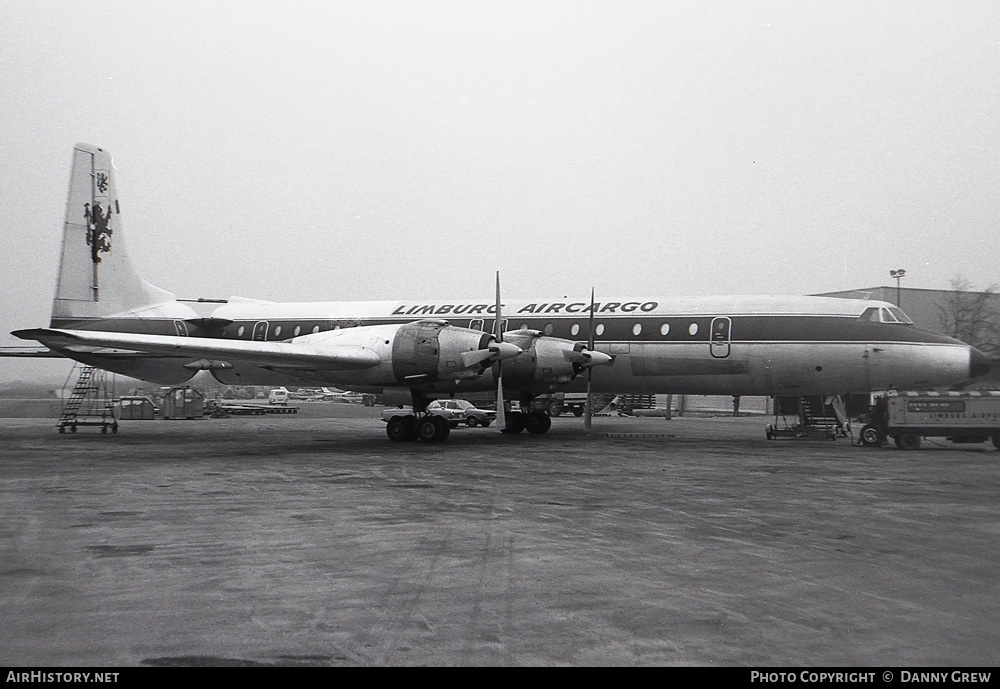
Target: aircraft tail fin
column 96, row 277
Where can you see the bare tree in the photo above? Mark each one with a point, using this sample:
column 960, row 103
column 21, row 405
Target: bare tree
column 972, row 317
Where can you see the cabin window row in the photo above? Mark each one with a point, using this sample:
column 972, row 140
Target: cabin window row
column 576, row 329
column 279, row 331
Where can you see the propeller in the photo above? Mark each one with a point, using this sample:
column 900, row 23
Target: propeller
column 498, row 334
column 495, row 351
column 589, row 407
column 587, row 358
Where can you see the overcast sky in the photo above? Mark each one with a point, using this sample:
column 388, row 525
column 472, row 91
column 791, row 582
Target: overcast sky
column 403, row 150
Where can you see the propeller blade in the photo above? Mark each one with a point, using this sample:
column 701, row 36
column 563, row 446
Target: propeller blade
column 589, row 407
column 498, row 333
column 501, row 413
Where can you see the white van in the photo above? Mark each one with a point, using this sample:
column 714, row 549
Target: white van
column 277, row 396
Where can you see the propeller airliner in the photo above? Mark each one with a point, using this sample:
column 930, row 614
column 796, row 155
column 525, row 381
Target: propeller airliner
column 412, row 352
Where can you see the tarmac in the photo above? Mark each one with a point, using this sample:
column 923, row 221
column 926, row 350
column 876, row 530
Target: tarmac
column 314, row 540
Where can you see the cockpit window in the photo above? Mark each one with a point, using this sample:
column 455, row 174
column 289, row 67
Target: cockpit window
column 900, row 316
column 885, row 314
column 870, row 314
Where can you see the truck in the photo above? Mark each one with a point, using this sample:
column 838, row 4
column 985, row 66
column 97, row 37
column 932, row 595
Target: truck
column 906, row 417
column 566, row 402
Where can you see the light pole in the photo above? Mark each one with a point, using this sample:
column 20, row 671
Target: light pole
column 899, row 275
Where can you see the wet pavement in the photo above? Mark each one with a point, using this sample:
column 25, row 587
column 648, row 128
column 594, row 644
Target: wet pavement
column 302, row 540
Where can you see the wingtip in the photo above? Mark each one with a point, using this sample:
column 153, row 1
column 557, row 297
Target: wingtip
column 36, row 333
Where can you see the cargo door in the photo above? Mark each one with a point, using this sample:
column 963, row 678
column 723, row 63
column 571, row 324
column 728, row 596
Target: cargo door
column 873, row 368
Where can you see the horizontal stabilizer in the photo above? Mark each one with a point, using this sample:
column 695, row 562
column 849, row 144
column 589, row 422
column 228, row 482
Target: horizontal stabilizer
column 285, row 354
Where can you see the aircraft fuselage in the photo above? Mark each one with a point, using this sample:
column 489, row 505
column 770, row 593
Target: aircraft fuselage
column 707, row 345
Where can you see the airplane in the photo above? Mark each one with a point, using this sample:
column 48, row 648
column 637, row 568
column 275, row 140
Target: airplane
column 412, row 352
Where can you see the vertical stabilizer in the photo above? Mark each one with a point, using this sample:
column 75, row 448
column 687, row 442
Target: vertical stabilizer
column 96, row 278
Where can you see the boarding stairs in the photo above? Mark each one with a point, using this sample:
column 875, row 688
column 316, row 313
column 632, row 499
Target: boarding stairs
column 89, row 403
column 816, row 417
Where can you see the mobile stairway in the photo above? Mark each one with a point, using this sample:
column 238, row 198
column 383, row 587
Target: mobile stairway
column 89, row 404
column 817, row 417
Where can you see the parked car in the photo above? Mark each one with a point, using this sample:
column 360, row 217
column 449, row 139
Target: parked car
column 461, row 411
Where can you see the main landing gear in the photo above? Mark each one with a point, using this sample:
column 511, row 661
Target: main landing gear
column 429, row 428
column 534, row 422
column 434, row 429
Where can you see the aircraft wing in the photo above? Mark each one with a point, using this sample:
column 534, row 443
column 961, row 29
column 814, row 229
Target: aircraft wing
column 271, row 354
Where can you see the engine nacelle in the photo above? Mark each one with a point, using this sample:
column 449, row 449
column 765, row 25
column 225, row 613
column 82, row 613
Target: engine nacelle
column 547, row 360
column 428, row 351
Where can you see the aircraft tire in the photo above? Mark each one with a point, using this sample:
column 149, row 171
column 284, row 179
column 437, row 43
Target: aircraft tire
column 433, row 429
column 427, row 428
column 400, row 429
column 907, row 441
column 515, row 423
column 870, row 436
column 444, row 430
column 537, row 423
column 555, row 409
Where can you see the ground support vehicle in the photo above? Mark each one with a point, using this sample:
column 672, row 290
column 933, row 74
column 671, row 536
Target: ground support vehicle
column 567, row 403
column 906, row 417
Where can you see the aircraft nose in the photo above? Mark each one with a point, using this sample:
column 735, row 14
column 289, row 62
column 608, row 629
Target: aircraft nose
column 979, row 363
